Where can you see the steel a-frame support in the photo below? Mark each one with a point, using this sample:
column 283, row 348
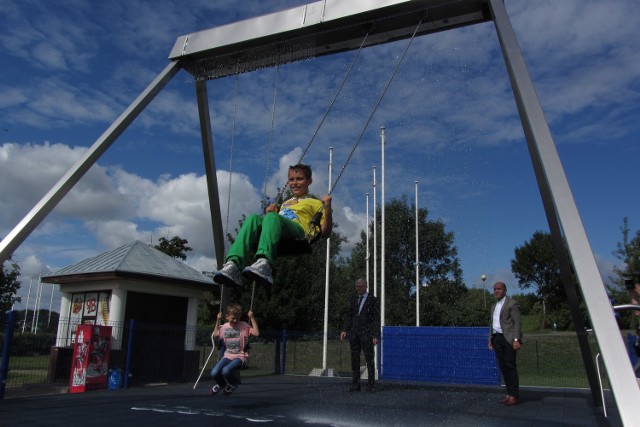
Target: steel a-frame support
column 569, row 237
column 212, row 179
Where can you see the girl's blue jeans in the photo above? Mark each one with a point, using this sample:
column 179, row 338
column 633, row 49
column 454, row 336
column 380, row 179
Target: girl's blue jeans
column 223, row 372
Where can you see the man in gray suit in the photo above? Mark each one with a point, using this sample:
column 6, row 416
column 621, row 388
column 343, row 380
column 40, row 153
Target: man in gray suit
column 505, row 339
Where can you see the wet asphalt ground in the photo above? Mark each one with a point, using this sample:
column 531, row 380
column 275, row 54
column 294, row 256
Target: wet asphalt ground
column 308, row 401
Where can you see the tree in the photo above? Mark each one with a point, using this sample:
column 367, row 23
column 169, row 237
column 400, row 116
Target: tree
column 176, row 247
column 440, row 273
column 536, row 265
column 9, row 285
column 47, row 321
column 628, row 251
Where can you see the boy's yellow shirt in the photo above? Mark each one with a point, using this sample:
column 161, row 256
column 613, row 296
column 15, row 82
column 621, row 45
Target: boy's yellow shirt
column 301, row 210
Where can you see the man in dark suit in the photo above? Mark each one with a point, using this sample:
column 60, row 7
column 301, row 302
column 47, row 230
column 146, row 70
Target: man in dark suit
column 505, row 339
column 362, row 326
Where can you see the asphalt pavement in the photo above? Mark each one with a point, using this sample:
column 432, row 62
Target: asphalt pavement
column 309, row 401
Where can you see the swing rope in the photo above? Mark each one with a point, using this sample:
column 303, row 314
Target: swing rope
column 263, row 202
column 333, row 101
column 315, row 223
column 366, row 125
column 375, row 108
column 253, row 291
column 233, row 143
column 213, row 346
column 231, row 149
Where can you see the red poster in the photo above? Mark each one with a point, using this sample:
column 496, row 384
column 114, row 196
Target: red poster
column 91, row 305
column 90, row 363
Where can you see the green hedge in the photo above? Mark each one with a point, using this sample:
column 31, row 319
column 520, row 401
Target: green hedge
column 30, row 344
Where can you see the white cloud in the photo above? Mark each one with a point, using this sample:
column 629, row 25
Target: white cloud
column 605, row 266
column 31, row 266
column 113, row 234
column 171, row 109
column 118, row 207
column 11, row 96
column 53, row 102
column 595, row 45
column 29, row 171
column 49, row 56
column 352, row 225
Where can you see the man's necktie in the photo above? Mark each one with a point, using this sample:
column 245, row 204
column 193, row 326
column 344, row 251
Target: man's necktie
column 360, row 303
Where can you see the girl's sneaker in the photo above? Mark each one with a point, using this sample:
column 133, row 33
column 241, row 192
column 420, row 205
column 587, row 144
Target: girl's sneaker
column 214, row 390
column 229, row 389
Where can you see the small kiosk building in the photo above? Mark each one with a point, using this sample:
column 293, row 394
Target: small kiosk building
column 133, row 282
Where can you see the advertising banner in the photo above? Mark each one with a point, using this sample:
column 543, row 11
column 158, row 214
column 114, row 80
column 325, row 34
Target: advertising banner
column 89, row 367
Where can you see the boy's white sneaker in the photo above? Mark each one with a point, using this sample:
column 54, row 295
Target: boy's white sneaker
column 260, row 272
column 229, row 275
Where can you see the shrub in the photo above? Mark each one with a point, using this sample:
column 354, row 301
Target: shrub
column 30, row 344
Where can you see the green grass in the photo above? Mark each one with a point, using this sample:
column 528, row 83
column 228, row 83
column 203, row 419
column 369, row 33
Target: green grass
column 552, row 360
column 28, row 369
column 531, row 324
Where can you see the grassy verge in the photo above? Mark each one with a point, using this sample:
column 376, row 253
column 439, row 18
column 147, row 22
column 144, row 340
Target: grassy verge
column 28, row 369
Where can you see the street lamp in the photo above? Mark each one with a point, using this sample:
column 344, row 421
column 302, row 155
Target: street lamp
column 484, row 287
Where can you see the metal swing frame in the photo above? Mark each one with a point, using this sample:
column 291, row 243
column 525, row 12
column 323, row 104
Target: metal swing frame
column 330, row 26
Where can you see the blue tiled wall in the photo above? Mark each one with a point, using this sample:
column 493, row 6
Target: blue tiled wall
column 439, row 354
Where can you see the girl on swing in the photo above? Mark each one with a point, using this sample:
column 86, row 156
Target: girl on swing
column 235, row 336
column 263, row 233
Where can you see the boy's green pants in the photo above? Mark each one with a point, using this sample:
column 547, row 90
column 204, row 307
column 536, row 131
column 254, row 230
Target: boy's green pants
column 263, row 232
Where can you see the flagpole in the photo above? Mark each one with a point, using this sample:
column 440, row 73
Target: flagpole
column 382, row 256
column 375, row 237
column 367, row 238
column 326, row 282
column 417, row 265
column 26, row 311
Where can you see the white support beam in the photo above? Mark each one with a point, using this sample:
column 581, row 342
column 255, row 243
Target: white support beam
column 315, row 29
column 566, row 225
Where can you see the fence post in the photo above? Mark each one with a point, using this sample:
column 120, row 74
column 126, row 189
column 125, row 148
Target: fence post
column 631, row 343
column 276, row 354
column 283, row 352
column 127, row 368
column 537, row 359
column 6, row 350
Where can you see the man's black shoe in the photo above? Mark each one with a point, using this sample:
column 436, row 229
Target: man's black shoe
column 372, row 389
column 354, row 387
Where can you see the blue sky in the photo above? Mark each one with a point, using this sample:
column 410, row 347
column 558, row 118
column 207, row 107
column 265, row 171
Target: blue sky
column 71, row 67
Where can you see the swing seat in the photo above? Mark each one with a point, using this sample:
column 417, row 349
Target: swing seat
column 290, row 247
column 301, row 246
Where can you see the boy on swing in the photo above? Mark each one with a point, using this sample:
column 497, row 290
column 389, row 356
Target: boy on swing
column 263, row 233
column 235, row 336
